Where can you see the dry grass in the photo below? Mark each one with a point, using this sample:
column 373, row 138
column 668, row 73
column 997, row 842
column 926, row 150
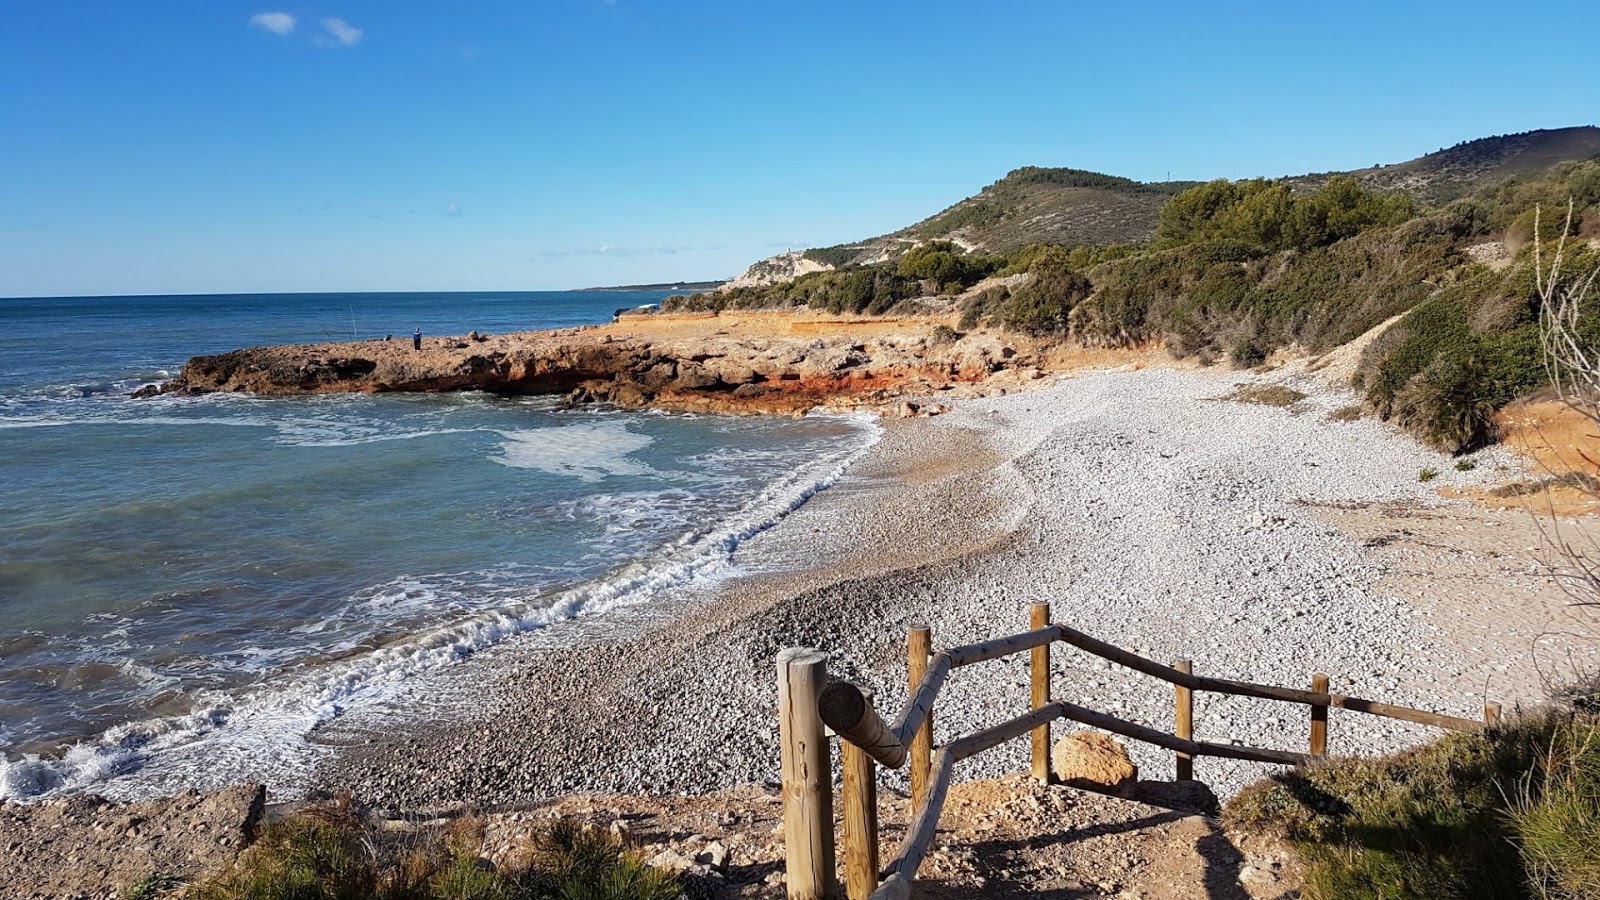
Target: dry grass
column 1265, row 394
column 331, row 852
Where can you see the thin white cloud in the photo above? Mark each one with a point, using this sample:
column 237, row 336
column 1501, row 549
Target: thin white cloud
column 342, row 31
column 452, row 209
column 279, row 23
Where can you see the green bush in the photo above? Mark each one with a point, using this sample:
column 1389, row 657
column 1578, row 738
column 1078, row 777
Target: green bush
column 1428, row 824
column 946, row 265
column 1556, row 815
column 1044, row 304
column 1268, row 216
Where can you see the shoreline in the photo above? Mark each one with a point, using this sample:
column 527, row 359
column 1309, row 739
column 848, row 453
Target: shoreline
column 1154, row 513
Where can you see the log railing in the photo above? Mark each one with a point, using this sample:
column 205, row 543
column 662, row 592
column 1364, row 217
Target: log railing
column 807, row 702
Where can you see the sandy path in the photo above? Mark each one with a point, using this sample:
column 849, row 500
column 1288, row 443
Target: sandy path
column 1150, row 510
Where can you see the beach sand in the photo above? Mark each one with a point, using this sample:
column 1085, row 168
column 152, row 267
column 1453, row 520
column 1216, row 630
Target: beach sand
column 1151, row 510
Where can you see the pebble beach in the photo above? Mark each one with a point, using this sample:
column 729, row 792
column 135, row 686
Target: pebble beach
column 1152, row 509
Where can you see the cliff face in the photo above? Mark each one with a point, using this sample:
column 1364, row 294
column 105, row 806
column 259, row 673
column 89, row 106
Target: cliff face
column 783, row 267
column 743, row 363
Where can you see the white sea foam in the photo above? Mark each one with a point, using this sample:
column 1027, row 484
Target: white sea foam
column 261, row 735
column 588, row 451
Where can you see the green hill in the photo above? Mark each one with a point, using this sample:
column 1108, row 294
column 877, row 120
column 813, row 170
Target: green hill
column 1075, row 207
column 1457, row 171
column 1030, row 205
column 1235, row 271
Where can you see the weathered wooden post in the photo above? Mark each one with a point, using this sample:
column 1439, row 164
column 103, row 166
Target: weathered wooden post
column 1183, row 720
column 1491, row 714
column 919, row 646
column 807, row 776
column 1039, row 664
column 1319, row 717
column 860, row 789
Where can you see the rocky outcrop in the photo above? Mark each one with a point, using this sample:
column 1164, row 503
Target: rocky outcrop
column 783, row 267
column 700, row 368
column 89, row 847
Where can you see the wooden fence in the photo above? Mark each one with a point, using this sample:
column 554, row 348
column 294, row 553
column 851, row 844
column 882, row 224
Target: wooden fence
column 807, row 702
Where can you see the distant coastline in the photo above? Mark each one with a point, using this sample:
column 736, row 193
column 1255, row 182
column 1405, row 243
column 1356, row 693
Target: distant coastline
column 662, row 286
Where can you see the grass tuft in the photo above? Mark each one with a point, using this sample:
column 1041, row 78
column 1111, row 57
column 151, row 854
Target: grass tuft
column 153, row 887
column 1427, row 474
column 1556, row 815
column 331, row 853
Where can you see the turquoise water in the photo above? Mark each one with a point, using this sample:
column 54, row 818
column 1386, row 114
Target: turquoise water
column 178, row 573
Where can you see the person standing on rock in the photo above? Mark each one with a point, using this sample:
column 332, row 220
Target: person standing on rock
column 416, row 339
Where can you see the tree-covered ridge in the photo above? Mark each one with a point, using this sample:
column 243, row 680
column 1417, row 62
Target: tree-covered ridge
column 1030, row 175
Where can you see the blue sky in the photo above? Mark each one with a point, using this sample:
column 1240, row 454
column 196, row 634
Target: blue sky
column 216, row 146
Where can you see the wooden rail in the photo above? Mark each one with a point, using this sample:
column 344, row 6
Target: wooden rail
column 807, row 702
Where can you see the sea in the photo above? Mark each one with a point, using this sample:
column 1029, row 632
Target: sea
column 191, row 586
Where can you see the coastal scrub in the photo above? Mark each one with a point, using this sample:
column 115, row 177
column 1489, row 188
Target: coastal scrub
column 1507, row 813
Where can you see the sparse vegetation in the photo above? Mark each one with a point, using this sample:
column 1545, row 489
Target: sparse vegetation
column 1239, row 270
column 1265, row 394
column 331, row 853
column 1465, row 465
column 1348, row 413
column 1506, row 813
column 1555, row 814
column 1428, row 474
column 154, row 887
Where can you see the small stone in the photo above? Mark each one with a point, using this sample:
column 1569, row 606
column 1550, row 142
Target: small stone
column 714, row 855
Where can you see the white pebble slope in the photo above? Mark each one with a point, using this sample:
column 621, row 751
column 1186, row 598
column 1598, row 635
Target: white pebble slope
column 1154, row 514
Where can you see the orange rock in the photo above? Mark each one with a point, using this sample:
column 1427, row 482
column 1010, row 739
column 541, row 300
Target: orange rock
column 1094, row 761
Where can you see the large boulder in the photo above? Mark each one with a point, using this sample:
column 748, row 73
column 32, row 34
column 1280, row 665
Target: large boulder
column 1093, row 761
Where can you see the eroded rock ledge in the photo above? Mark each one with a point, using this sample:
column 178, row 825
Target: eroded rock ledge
column 747, row 362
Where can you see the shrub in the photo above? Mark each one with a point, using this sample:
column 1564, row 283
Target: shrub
column 1427, row 474
column 976, row 307
column 153, row 887
column 1044, row 304
column 330, row 853
column 574, row 862
column 1428, row 823
column 1465, row 465
column 1267, row 216
column 945, row 265
column 1556, row 815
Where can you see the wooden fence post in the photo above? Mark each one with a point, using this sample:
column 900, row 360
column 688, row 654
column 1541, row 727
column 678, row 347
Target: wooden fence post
column 1039, row 666
column 807, row 776
column 1491, row 714
column 860, row 789
column 1319, row 717
column 919, row 646
column 1183, row 724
